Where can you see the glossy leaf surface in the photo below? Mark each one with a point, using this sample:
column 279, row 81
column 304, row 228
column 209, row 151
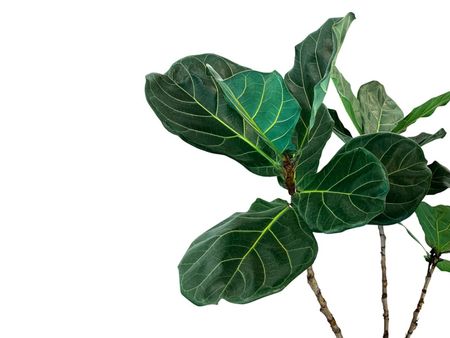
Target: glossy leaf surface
column 407, row 170
column 189, row 104
column 378, row 111
column 265, row 103
column 348, row 192
column 425, row 138
column 309, row 153
column 314, row 58
column 339, row 128
column 424, row 110
column 435, row 222
column 247, row 256
column 440, row 179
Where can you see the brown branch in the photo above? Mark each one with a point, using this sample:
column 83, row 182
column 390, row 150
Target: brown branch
column 433, row 260
column 289, row 174
column 323, row 304
column 384, row 282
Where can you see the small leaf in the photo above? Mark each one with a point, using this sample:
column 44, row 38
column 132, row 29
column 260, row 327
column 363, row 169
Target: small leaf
column 425, row 138
column 406, row 167
column 435, row 222
column 444, row 265
column 265, row 103
column 378, row 111
column 349, row 100
column 249, row 255
column 423, row 110
column 440, row 179
column 339, row 128
column 309, row 153
column 314, row 58
column 187, row 102
column 348, row 192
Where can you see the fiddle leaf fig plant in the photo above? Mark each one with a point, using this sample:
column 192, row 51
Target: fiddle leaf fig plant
column 278, row 126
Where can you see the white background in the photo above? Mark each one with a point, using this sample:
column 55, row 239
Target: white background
column 98, row 202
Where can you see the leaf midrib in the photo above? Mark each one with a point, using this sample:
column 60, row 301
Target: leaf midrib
column 336, row 193
column 265, row 230
column 274, row 163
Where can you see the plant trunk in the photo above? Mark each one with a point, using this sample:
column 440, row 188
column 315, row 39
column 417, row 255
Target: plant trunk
column 434, row 259
column 384, row 282
column 323, row 304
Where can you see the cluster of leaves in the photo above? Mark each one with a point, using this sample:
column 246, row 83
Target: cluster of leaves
column 435, row 223
column 278, row 126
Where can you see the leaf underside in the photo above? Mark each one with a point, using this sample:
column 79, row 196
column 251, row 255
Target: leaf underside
column 349, row 100
column 378, row 111
column 425, row 138
column 424, row 110
column 407, row 170
column 339, row 128
column 189, row 104
column 348, row 192
column 435, row 222
column 247, row 256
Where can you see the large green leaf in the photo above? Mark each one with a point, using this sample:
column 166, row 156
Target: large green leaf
column 247, row 256
column 425, row 138
column 440, row 179
column 339, row 128
column 406, row 167
column 348, row 192
column 265, row 103
column 444, row 265
column 188, row 103
column 349, row 100
column 314, row 58
column 378, row 111
column 423, row 110
column 309, row 153
column 435, row 222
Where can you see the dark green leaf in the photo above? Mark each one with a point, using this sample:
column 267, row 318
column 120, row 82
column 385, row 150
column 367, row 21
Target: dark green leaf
column 247, row 256
column 444, row 265
column 348, row 192
column 265, row 103
column 406, row 167
column 425, row 138
column 314, row 58
column 435, row 222
column 440, row 179
column 339, row 128
column 378, row 111
column 423, row 110
column 187, row 102
column 309, row 153
column 349, row 100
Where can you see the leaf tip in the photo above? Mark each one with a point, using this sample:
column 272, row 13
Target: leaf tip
column 213, row 72
column 351, row 15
